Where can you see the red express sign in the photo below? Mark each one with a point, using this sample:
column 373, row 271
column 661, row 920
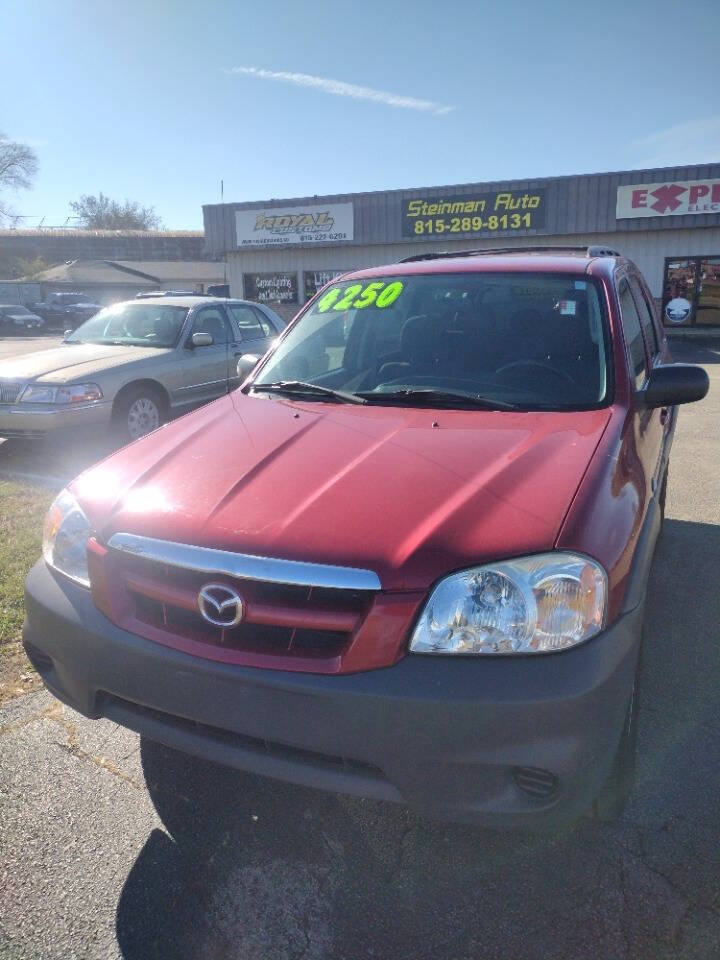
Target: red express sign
column 668, row 199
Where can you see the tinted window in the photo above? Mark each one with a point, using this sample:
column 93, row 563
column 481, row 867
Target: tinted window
column 250, row 323
column 211, row 320
column 633, row 335
column 646, row 320
column 535, row 340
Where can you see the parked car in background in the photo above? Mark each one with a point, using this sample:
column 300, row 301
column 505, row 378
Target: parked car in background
column 408, row 560
column 66, row 309
column 133, row 366
column 15, row 318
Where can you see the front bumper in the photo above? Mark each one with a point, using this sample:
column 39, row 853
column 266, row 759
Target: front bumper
column 446, row 736
column 16, row 420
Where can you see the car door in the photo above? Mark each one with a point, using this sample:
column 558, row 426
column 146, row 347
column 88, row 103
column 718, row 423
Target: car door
column 205, row 368
column 648, row 427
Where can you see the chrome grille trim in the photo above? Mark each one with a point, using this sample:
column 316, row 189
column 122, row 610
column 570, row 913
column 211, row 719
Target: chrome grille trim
column 10, row 390
column 244, row 565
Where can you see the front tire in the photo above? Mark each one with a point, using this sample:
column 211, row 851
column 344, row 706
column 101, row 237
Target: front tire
column 137, row 412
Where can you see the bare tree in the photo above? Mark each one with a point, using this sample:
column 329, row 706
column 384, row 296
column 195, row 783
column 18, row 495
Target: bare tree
column 18, row 167
column 101, row 213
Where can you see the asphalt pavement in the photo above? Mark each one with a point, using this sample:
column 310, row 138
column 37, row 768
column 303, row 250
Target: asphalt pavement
column 16, row 346
column 92, row 865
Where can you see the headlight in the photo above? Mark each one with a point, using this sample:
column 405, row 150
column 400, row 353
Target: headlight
column 538, row 604
column 74, row 393
column 65, row 536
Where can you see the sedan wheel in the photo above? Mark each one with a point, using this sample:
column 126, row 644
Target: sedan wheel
column 143, row 416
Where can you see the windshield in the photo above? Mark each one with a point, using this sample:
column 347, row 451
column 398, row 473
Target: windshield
column 133, row 324
column 536, row 340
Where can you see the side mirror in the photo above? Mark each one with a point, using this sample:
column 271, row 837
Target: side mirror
column 246, row 364
column 67, row 333
column 674, row 383
column 202, row 340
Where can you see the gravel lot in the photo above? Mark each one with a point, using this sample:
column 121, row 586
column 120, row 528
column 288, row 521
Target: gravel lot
column 89, row 869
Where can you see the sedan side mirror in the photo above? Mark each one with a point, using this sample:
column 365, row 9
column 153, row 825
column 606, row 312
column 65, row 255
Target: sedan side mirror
column 246, row 364
column 674, row 383
column 202, row 340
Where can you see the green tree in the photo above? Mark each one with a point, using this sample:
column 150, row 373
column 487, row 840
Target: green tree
column 101, row 213
column 18, row 168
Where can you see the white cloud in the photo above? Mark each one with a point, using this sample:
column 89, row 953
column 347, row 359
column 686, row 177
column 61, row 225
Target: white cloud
column 684, row 144
column 341, row 89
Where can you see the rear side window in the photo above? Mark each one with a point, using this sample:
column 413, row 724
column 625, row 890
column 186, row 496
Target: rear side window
column 646, row 320
column 633, row 335
column 250, row 322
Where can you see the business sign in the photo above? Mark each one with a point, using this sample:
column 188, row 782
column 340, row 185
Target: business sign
column 316, row 279
column 668, row 199
column 328, row 223
column 513, row 211
column 271, row 287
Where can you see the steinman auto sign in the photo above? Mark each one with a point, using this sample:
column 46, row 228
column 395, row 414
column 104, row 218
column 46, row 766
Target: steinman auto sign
column 668, row 199
column 329, row 223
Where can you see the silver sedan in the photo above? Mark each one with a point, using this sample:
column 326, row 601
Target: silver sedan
column 133, row 366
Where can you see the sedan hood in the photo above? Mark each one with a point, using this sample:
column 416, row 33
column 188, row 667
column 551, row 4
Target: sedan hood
column 71, row 362
column 409, row 493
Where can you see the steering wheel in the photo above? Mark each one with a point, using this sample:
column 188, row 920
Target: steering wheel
column 516, row 364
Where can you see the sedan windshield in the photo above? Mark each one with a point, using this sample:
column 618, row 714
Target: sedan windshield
column 509, row 341
column 146, row 324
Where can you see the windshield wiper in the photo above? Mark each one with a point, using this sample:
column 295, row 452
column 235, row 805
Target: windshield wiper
column 301, row 388
column 428, row 396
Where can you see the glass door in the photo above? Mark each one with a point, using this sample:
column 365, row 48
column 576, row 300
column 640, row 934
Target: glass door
column 679, row 292
column 708, row 301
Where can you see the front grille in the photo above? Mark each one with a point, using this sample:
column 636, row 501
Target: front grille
column 9, row 391
column 312, row 626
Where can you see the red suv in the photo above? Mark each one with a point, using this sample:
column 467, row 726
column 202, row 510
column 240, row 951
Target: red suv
column 407, row 559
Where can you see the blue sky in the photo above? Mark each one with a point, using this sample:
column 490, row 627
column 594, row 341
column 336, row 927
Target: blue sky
column 158, row 101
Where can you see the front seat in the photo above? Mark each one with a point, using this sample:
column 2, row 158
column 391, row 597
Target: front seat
column 166, row 329
column 423, row 348
column 216, row 328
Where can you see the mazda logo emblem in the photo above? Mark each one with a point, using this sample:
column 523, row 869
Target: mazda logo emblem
column 220, row 605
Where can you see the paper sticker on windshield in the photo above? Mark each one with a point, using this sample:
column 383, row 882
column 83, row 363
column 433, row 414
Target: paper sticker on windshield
column 580, row 285
column 358, row 295
column 568, row 308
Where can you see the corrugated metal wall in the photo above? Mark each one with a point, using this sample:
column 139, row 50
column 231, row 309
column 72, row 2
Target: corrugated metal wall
column 647, row 249
column 573, row 205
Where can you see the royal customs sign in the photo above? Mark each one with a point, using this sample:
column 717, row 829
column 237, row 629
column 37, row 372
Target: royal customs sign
column 328, row 223
column 668, row 199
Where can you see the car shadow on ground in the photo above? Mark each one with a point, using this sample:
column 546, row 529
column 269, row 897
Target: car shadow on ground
column 252, row 868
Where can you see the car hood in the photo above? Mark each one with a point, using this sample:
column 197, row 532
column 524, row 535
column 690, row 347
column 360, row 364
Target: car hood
column 71, row 363
column 409, row 493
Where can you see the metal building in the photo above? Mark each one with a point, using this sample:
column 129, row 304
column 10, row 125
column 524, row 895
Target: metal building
column 666, row 220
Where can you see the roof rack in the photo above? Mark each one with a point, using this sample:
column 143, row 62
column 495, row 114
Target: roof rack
column 149, row 294
column 593, row 251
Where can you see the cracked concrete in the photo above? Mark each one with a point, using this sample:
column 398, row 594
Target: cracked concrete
column 228, row 865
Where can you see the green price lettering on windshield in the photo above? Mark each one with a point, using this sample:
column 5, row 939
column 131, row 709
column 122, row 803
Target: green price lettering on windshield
column 378, row 294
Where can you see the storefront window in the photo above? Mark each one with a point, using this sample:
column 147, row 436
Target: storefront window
column 691, row 292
